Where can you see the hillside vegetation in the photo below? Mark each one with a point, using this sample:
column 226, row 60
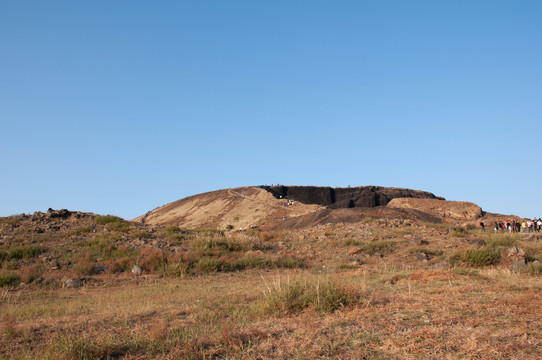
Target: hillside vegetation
column 386, row 287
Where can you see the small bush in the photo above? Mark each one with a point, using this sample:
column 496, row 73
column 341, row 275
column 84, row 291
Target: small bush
column 533, row 269
column 120, row 265
column 21, row 252
column 8, row 325
column 172, row 229
column 209, row 232
column 83, row 230
column 151, row 260
column 108, row 219
column 478, row 257
column 323, row 296
column 9, row 279
column 140, row 234
column 119, row 226
column 458, row 231
column 31, row 273
column 499, row 240
column 85, row 266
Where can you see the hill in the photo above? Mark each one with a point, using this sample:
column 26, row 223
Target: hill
column 272, row 206
column 399, row 280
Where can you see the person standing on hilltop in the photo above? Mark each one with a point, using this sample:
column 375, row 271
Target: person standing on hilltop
column 482, row 226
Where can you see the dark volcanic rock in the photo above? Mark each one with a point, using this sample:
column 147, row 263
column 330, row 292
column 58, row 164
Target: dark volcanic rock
column 335, row 198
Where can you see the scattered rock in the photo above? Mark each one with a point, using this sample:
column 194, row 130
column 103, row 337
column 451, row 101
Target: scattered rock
column 518, row 264
column 354, row 262
column 513, row 255
column 354, row 250
column 98, row 269
column 420, row 256
column 136, row 270
column 536, row 263
column 419, row 241
column 478, row 242
column 72, row 283
column 441, row 265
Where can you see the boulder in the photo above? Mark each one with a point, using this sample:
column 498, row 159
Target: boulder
column 478, row 242
column 137, row 270
column 354, row 250
column 72, row 283
column 513, row 256
column 419, row 241
column 420, row 256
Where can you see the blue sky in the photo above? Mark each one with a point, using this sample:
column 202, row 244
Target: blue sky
column 121, row 106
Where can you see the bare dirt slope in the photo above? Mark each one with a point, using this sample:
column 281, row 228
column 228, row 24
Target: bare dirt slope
column 448, row 211
column 239, row 207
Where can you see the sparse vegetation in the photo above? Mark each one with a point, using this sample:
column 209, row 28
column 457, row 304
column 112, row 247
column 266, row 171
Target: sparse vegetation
column 108, row 219
column 478, row 257
column 323, row 295
column 313, row 293
column 21, row 252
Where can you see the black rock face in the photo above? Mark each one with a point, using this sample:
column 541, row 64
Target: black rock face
column 336, row 198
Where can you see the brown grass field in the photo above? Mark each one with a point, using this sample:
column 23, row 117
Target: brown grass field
column 354, row 291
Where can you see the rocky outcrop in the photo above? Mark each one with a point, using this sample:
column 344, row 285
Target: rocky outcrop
column 351, row 197
column 448, row 211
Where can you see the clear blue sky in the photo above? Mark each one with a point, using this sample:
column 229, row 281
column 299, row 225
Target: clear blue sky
column 121, row 106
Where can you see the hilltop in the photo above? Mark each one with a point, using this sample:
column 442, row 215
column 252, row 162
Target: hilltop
column 288, row 207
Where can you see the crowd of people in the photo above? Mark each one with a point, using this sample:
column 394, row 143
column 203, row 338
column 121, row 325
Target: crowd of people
column 516, row 226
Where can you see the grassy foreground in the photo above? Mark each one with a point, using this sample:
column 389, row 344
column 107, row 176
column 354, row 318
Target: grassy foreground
column 384, row 314
column 377, row 289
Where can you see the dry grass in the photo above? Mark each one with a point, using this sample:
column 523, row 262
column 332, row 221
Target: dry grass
column 489, row 314
column 385, row 304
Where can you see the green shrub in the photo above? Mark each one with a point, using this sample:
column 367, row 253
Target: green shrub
column 172, row 229
column 323, row 296
column 9, row 279
column 108, row 219
column 377, row 246
column 248, row 261
column 83, row 230
column 140, row 234
column 119, row 226
column 500, row 240
column 533, row 269
column 21, row 252
column 222, row 245
column 478, row 257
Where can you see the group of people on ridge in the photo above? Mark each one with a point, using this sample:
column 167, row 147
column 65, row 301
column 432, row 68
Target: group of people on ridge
column 516, row 226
